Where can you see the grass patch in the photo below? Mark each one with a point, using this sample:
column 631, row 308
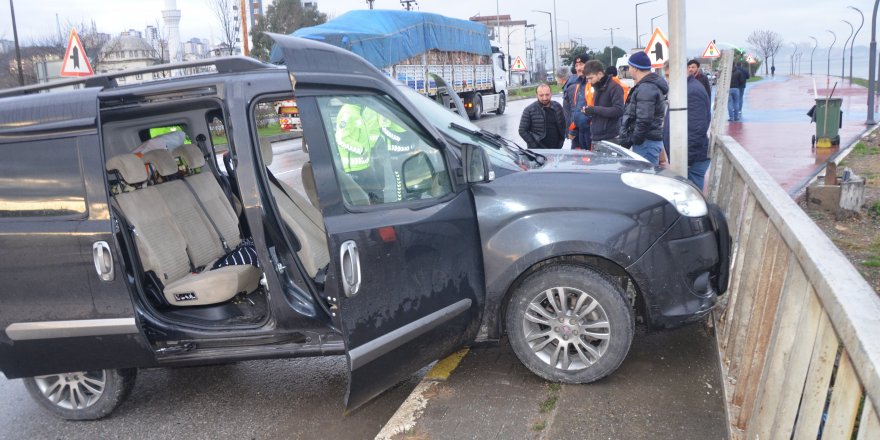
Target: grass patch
column 862, row 149
column 875, row 208
column 529, row 92
column 539, row 426
column 552, row 396
column 860, row 81
column 873, row 259
column 754, row 78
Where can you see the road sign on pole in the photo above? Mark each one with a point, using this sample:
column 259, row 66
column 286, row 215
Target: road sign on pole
column 711, row 51
column 76, row 62
column 750, row 59
column 518, row 65
column 657, row 48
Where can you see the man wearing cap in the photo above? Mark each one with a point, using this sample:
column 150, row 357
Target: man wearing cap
column 642, row 125
column 580, row 96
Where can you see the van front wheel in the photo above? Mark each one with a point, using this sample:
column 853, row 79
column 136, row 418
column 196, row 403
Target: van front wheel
column 82, row 395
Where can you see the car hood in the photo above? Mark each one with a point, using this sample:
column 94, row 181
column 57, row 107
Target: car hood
column 586, row 161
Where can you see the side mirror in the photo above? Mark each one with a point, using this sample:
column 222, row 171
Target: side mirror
column 417, row 174
column 477, row 167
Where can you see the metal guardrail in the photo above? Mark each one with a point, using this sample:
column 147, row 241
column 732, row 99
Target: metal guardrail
column 799, row 331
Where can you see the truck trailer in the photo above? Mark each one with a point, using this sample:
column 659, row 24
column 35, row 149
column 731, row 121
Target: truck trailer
column 412, row 46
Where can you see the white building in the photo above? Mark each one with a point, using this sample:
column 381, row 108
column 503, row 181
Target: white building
column 126, row 51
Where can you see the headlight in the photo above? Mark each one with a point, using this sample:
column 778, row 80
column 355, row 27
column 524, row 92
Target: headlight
column 686, row 199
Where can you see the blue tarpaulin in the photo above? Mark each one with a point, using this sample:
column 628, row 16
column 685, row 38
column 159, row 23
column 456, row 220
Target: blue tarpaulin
column 385, row 38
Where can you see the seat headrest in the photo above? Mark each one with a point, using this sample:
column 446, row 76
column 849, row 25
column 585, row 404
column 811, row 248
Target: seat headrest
column 129, row 167
column 162, row 161
column 191, row 154
column 266, row 151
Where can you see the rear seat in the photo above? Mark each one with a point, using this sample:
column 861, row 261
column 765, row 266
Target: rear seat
column 163, row 247
column 206, row 187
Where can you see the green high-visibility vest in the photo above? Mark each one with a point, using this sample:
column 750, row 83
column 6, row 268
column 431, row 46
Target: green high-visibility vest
column 357, row 130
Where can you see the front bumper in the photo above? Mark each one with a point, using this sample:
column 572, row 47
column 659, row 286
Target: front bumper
column 682, row 274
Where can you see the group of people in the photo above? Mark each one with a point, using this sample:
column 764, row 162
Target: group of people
column 739, row 76
column 597, row 106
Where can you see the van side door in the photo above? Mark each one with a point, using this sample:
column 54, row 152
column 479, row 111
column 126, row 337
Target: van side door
column 64, row 302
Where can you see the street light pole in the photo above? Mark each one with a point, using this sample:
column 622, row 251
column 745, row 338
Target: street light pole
column 843, row 53
column 853, row 42
column 509, row 73
column 555, row 29
column 17, row 49
column 552, row 41
column 828, row 69
column 612, row 43
column 812, row 52
column 652, row 21
column 638, row 41
column 872, row 65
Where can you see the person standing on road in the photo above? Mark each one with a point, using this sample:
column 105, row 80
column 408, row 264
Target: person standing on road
column 612, row 72
column 698, row 118
column 694, row 71
column 607, row 105
column 744, row 69
column 737, row 83
column 580, row 96
column 564, row 79
column 542, row 124
column 642, row 125
column 772, row 71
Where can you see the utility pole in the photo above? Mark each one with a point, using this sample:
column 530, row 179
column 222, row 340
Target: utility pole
column 244, row 30
column 812, row 52
column 408, row 4
column 678, row 102
column 553, row 41
column 638, row 36
column 843, row 53
column 612, row 42
column 17, row 49
column 872, row 66
column 853, row 42
column 828, row 69
column 370, row 2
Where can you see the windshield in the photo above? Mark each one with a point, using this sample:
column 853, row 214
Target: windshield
column 443, row 118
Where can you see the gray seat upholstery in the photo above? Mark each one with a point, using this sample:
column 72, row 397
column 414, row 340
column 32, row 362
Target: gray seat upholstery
column 302, row 218
column 217, row 205
column 162, row 246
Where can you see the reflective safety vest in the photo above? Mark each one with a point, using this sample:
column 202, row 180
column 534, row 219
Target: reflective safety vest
column 623, row 86
column 588, row 98
column 357, row 130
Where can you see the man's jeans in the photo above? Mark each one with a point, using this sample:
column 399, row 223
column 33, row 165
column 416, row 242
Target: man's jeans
column 650, row 150
column 733, row 105
column 697, row 172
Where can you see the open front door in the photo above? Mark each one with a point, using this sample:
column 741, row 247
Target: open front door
column 64, row 302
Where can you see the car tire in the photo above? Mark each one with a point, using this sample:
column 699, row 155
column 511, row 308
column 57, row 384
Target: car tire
column 502, row 104
column 478, row 107
column 593, row 345
column 82, row 395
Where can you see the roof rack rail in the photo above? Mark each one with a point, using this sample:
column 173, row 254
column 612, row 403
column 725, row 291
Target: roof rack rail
column 230, row 64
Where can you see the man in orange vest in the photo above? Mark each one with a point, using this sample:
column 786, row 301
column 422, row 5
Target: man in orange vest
column 612, row 72
column 581, row 96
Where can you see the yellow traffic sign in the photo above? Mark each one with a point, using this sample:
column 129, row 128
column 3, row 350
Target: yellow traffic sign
column 518, row 65
column 657, row 48
column 76, row 62
column 750, row 59
column 711, row 51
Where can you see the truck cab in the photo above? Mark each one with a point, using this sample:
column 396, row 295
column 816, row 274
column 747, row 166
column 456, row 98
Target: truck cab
column 388, row 233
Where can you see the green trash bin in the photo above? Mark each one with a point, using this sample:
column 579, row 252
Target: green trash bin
column 829, row 119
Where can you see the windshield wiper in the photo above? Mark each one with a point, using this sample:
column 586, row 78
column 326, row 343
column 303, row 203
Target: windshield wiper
column 486, row 136
column 539, row 158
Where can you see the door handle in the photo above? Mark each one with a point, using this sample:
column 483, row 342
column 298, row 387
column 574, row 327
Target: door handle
column 103, row 260
column 350, row 263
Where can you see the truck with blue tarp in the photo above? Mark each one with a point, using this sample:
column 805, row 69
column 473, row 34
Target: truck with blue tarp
column 413, row 46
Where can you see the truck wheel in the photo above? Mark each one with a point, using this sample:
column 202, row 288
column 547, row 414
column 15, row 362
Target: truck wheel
column 569, row 324
column 82, row 395
column 502, row 104
column 478, row 107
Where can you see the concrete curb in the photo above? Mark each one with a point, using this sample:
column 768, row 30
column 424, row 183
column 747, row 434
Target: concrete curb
column 406, row 416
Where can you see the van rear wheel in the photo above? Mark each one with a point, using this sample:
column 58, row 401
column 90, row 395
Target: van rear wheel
column 82, row 395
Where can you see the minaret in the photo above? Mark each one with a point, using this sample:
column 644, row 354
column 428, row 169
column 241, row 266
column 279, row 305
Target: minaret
column 171, row 15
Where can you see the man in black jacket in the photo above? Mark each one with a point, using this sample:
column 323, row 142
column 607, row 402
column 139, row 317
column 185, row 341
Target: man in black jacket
column 734, row 102
column 642, row 125
column 542, row 124
column 694, row 71
column 607, row 105
column 698, row 119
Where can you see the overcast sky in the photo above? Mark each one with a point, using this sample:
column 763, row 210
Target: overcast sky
column 728, row 21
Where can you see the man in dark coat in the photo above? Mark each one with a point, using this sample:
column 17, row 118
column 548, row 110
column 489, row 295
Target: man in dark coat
column 542, row 124
column 694, row 71
column 734, row 102
column 642, row 124
column 607, row 105
column 699, row 117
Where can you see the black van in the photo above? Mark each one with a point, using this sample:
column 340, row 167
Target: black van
column 154, row 224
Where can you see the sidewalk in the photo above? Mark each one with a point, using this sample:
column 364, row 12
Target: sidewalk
column 777, row 132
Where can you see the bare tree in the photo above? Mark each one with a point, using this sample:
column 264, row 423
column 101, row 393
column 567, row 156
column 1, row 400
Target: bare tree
column 226, row 13
column 766, row 43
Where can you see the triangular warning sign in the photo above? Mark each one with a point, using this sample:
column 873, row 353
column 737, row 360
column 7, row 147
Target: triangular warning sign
column 657, row 48
column 518, row 65
column 750, row 59
column 76, row 62
column 711, row 51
